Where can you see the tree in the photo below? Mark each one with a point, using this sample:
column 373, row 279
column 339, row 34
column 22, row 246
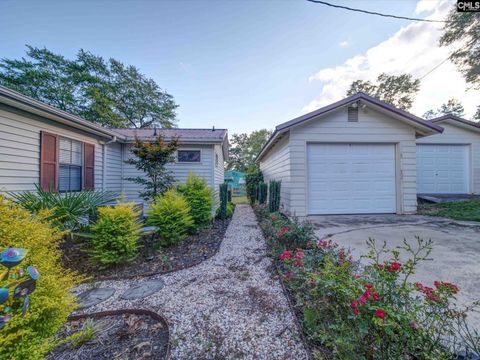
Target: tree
column 477, row 114
column 451, row 107
column 245, row 147
column 102, row 91
column 398, row 91
column 462, row 31
column 151, row 158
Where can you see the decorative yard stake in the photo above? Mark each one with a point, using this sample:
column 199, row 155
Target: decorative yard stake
column 274, row 196
column 22, row 281
column 262, row 193
column 223, row 200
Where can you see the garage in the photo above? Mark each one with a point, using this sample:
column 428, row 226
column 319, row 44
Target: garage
column 443, row 169
column 351, row 178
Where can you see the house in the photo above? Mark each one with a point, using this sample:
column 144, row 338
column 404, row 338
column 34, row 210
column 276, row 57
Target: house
column 40, row 144
column 449, row 163
column 355, row 156
column 236, row 182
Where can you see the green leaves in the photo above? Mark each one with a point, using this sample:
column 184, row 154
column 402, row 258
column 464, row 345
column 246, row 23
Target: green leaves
column 106, row 92
column 245, row 148
column 200, row 198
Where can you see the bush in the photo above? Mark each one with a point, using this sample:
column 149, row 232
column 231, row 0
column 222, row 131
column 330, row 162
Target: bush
column 223, row 194
column 229, row 212
column 30, row 336
column 200, row 199
column 253, row 177
column 68, row 210
column 171, row 214
column 262, row 192
column 274, row 195
column 115, row 235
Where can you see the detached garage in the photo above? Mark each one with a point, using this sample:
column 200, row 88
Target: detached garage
column 356, row 156
column 449, row 163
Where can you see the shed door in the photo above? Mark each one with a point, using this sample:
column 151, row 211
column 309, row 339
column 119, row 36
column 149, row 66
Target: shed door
column 351, row 178
column 442, row 169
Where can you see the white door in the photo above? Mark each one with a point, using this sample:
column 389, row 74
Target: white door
column 442, row 169
column 351, row 178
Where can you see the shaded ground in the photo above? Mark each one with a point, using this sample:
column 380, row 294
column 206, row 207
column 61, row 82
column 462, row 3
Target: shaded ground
column 230, row 306
column 467, row 210
column 456, row 250
column 116, row 337
column 191, row 251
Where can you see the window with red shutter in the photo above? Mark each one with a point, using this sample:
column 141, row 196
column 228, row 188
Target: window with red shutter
column 89, row 166
column 48, row 161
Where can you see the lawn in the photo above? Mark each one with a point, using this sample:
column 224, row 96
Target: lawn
column 239, row 200
column 462, row 210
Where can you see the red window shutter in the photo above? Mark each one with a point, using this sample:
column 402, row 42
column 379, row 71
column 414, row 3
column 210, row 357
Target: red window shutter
column 48, row 161
column 89, row 166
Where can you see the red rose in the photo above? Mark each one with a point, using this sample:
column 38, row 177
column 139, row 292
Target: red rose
column 394, row 266
column 368, row 286
column 286, row 255
column 376, row 296
column 353, row 304
column 380, row 313
column 355, row 312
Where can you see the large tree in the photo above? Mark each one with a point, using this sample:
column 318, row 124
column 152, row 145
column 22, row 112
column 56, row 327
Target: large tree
column 398, row 91
column 102, row 91
column 451, row 107
column 245, row 147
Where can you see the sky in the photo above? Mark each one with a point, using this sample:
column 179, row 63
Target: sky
column 247, row 64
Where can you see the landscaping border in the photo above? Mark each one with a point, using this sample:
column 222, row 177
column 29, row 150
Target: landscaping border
column 153, row 315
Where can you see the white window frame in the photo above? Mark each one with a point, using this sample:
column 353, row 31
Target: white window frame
column 81, row 166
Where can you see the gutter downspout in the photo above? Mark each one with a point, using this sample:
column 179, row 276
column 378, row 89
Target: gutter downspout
column 104, row 162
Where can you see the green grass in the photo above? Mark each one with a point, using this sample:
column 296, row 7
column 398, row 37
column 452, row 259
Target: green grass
column 462, row 210
column 239, row 200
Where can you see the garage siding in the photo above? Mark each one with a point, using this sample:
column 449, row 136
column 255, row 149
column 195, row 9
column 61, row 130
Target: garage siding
column 276, row 166
column 20, row 149
column 372, row 127
column 454, row 134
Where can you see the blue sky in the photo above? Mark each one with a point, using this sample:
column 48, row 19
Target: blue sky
column 241, row 65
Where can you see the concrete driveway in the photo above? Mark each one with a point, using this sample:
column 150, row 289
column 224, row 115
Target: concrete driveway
column 456, row 248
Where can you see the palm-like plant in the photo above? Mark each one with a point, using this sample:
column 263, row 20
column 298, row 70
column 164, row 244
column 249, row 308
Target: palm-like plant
column 68, row 210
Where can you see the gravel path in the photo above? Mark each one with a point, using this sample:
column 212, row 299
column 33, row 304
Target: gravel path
column 228, row 307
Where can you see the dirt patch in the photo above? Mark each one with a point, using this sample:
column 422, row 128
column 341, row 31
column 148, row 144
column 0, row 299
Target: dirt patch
column 151, row 259
column 122, row 336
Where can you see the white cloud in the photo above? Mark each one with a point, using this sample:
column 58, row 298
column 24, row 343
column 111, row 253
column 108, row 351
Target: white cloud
column 343, row 44
column 413, row 49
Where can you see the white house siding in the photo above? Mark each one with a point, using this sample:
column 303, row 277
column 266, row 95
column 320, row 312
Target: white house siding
column 113, row 171
column 179, row 170
column 219, row 172
column 455, row 134
column 372, row 127
column 276, row 165
column 20, row 148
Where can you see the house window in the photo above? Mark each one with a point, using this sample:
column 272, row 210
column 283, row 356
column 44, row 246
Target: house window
column 70, row 165
column 188, row 155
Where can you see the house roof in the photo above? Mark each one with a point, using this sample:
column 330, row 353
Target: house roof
column 472, row 124
column 194, row 135
column 26, row 103
column 426, row 126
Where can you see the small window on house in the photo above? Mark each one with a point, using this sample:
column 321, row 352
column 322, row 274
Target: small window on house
column 352, row 114
column 188, row 155
column 216, row 160
column 70, row 165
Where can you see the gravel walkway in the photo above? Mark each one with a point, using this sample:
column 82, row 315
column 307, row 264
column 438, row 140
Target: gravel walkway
column 228, row 307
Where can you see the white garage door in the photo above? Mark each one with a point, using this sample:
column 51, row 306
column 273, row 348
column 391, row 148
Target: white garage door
column 442, row 169
column 351, row 178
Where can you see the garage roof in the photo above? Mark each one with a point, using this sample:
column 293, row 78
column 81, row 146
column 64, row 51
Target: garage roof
column 472, row 125
column 427, row 127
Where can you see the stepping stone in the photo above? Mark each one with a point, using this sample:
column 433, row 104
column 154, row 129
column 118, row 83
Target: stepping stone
column 143, row 289
column 94, row 297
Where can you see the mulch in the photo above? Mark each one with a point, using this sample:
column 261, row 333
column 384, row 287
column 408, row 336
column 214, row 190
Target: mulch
column 152, row 259
column 120, row 334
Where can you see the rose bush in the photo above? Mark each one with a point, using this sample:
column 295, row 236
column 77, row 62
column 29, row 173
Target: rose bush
column 353, row 311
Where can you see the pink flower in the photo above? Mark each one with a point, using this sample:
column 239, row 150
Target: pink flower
column 286, row 255
column 289, row 275
column 355, row 312
column 394, row 266
column 368, row 286
column 380, row 313
column 375, row 296
column 283, row 231
column 353, row 303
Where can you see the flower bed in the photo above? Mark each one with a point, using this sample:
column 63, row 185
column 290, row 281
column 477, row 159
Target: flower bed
column 348, row 310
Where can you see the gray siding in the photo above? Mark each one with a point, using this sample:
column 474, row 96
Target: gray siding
column 455, row 133
column 113, row 171
column 276, row 166
column 219, row 173
column 20, row 148
column 180, row 170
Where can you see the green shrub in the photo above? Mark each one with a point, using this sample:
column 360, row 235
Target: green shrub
column 274, row 195
column 223, row 193
column 30, row 336
column 253, row 177
column 115, row 235
column 171, row 214
column 68, row 210
column 229, row 212
column 199, row 197
column 262, row 192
